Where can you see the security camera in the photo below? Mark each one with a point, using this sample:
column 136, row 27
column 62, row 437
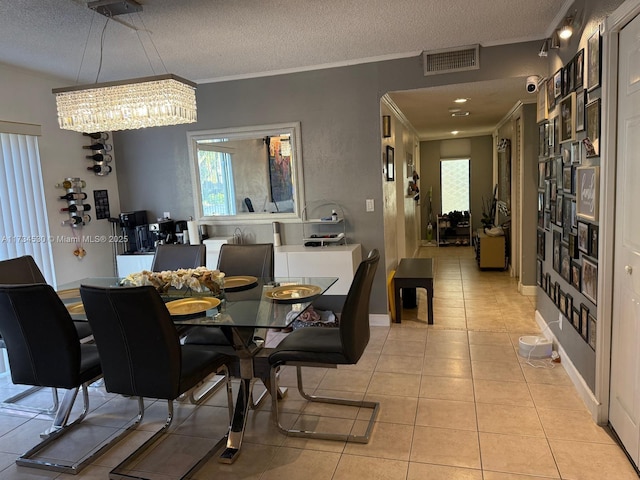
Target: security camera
column 532, row 83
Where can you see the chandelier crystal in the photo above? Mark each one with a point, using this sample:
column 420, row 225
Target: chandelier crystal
column 126, row 105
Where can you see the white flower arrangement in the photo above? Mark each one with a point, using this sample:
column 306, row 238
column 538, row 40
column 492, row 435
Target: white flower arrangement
column 196, row 279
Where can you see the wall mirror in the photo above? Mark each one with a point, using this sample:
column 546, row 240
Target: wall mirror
column 247, row 174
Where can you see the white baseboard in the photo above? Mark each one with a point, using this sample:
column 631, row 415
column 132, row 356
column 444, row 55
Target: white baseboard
column 528, row 290
column 379, row 320
column 583, row 389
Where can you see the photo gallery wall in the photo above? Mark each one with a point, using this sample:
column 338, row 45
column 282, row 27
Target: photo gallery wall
column 568, row 188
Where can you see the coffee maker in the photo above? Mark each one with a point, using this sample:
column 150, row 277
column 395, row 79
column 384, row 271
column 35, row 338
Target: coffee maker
column 162, row 232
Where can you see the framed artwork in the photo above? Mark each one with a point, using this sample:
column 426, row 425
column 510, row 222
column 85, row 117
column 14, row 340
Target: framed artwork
column 556, row 130
column 567, row 313
column 547, row 220
column 574, row 217
column 557, row 238
column 541, row 174
column 539, row 274
column 581, row 98
column 562, row 302
column 386, row 126
column 575, row 318
column 593, row 241
column 583, row 237
column 559, row 205
column 557, row 85
column 568, row 118
column 591, row 331
column 550, row 135
column 565, row 263
column 592, row 112
column 573, row 248
column 593, row 61
column 390, row 164
column 553, row 190
column 543, row 142
column 544, row 281
column 541, row 244
column 590, row 279
column 566, row 217
column 578, row 69
column 567, row 179
column 556, row 294
column 543, row 111
column 587, row 192
column 576, row 271
column 568, row 79
column 547, row 283
column 551, row 97
column 584, row 321
column 576, row 151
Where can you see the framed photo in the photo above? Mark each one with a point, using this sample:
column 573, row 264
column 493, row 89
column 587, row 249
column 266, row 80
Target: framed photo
column 575, row 318
column 557, row 238
column 541, row 244
column 583, row 237
column 551, row 97
column 562, row 302
column 559, row 205
column 566, row 217
column 576, row 271
column 592, row 112
column 593, row 61
column 578, row 66
column 543, row 141
column 576, row 157
column 544, row 281
column 547, row 283
column 568, row 118
column 556, row 295
column 590, row 280
column 556, row 130
column 541, row 174
column 584, row 321
column 547, row 220
column 568, row 79
column 569, row 305
column 573, row 248
column 543, row 111
column 591, row 331
column 574, row 216
column 390, row 164
column 539, row 274
column 557, row 85
column 565, row 263
column 588, row 192
column 581, row 99
column 567, row 178
column 593, row 241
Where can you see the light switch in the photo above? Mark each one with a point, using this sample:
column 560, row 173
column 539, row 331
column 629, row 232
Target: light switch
column 369, row 205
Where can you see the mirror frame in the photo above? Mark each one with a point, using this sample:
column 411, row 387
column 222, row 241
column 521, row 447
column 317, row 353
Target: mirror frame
column 239, row 133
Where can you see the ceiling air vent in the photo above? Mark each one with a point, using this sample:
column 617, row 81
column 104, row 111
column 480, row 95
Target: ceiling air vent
column 449, row 60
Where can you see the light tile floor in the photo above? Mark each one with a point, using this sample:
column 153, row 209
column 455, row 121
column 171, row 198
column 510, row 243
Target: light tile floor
column 456, row 403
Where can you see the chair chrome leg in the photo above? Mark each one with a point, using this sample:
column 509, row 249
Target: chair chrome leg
column 11, row 402
column 28, row 460
column 375, row 406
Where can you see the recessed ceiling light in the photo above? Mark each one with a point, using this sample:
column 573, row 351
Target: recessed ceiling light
column 454, row 110
column 460, row 100
column 454, row 132
column 460, row 114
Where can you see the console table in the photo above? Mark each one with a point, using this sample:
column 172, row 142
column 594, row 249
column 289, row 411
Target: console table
column 414, row 273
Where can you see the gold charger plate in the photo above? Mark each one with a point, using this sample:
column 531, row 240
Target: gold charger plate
column 76, row 308
column 293, row 293
column 69, row 293
column 189, row 306
column 238, row 282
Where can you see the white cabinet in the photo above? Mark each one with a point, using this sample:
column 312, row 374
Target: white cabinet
column 334, row 261
column 213, row 245
column 133, row 263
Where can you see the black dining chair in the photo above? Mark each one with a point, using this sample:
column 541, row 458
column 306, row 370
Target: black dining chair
column 19, row 271
column 174, row 257
column 330, row 347
column 44, row 350
column 142, row 356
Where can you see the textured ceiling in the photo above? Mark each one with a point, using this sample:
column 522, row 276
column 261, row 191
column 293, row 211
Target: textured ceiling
column 212, row 40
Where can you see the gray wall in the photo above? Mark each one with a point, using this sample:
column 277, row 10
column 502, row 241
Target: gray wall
column 480, row 151
column 339, row 111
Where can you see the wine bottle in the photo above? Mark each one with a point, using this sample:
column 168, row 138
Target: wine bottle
column 76, row 207
column 98, row 146
column 72, row 184
column 100, row 157
column 75, row 220
column 74, row 196
column 98, row 135
column 100, row 169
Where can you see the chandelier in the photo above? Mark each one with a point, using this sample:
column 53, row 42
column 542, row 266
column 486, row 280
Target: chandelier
column 153, row 101
column 129, row 104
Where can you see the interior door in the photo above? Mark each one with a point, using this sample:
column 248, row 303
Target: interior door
column 624, row 410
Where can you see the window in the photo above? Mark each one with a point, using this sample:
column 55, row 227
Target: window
column 454, row 184
column 216, row 180
column 24, row 229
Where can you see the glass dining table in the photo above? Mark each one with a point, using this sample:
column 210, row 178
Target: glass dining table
column 244, row 307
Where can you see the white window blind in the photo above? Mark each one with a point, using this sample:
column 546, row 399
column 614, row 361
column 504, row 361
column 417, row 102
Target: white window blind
column 454, row 183
column 24, row 229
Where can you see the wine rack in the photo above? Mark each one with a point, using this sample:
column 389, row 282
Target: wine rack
column 100, row 153
column 74, row 196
